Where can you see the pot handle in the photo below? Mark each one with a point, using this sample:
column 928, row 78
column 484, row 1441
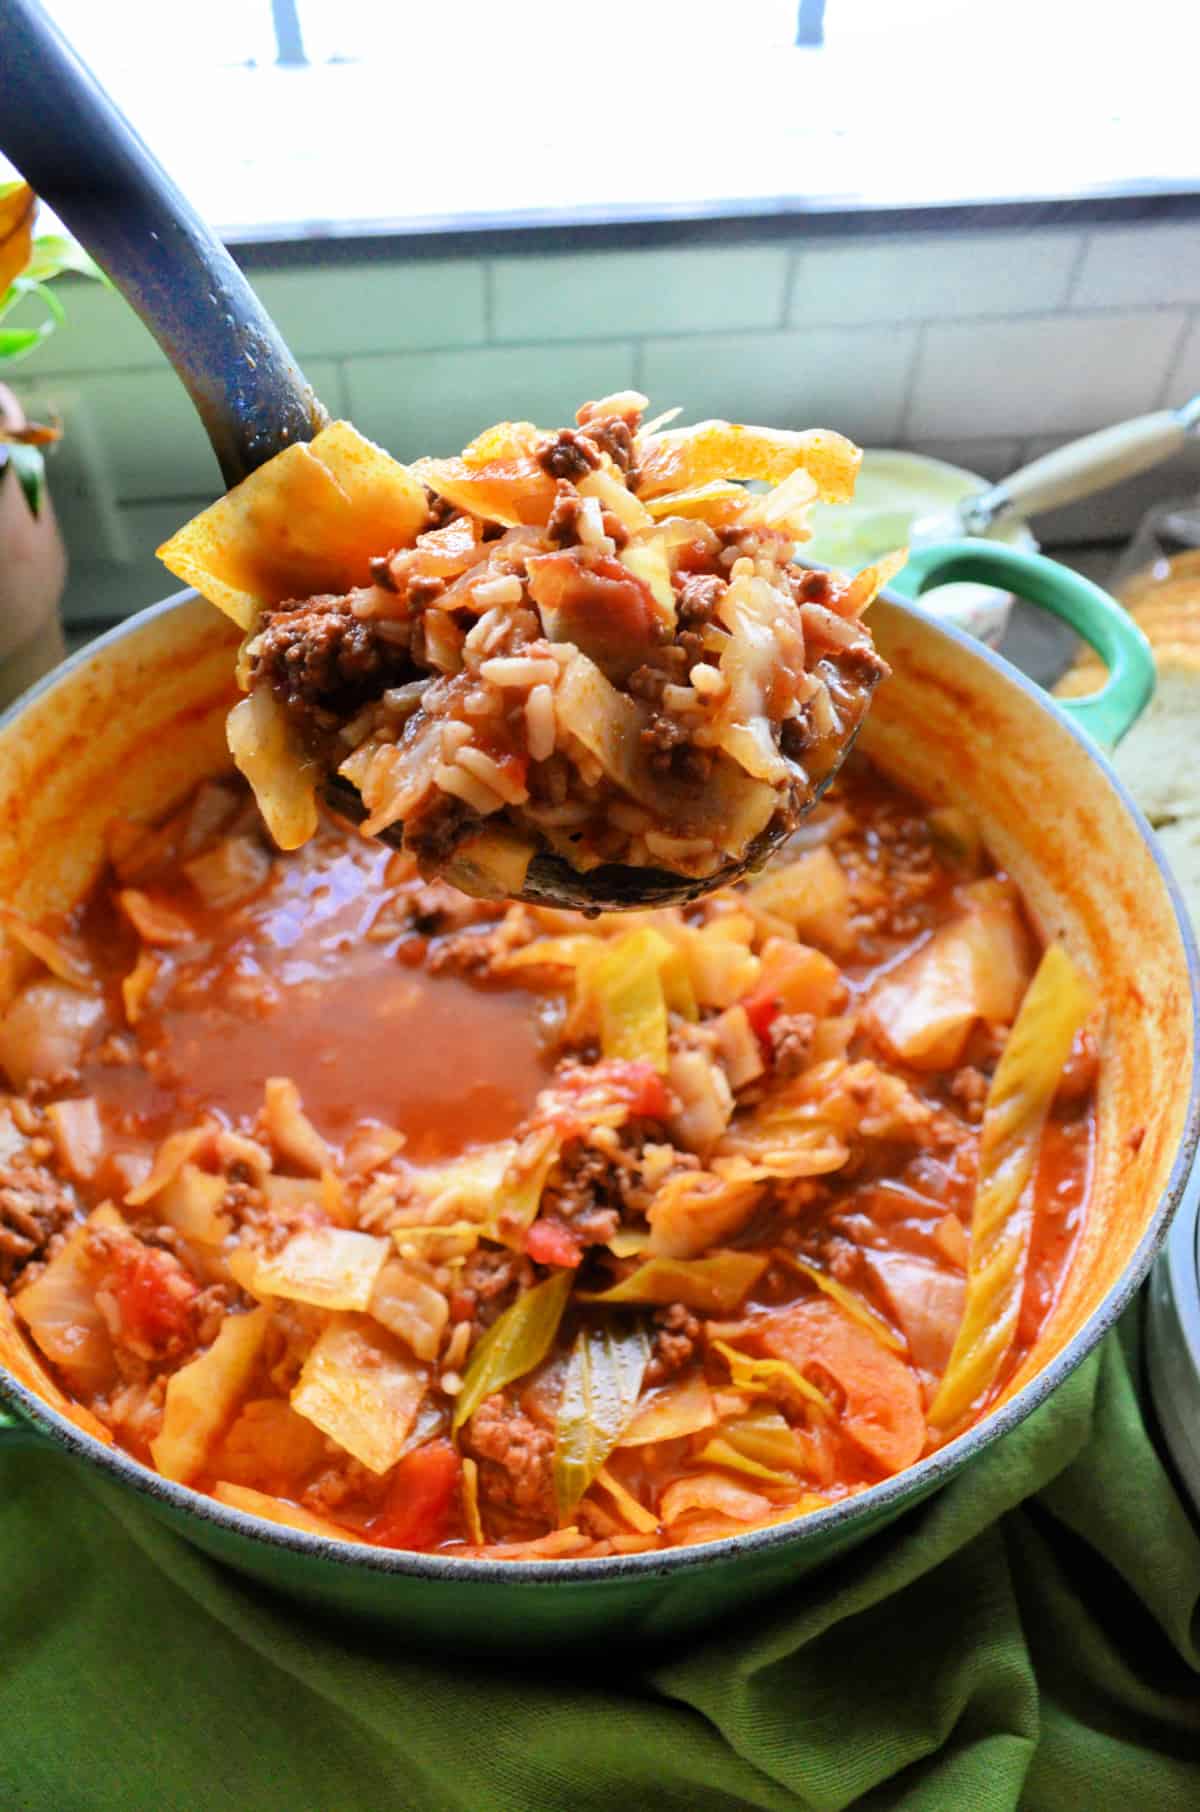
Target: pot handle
column 15, row 1431
column 1107, row 714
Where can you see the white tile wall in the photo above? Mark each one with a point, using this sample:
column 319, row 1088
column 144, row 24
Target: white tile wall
column 934, row 277
column 600, row 294
column 989, row 458
column 153, row 442
column 435, row 402
column 979, row 348
column 1185, row 378
column 851, row 378
column 1039, row 373
column 377, row 307
column 1139, row 264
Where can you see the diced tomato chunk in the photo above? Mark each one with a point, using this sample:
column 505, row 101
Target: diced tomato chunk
column 695, row 557
column 423, row 1487
column 762, row 1009
column 550, row 1243
column 600, row 606
column 644, row 1089
column 153, row 1294
column 462, row 1305
column 635, row 1084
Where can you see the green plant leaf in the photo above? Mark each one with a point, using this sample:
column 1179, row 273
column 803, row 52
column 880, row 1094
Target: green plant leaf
column 54, row 253
column 15, row 342
column 600, row 1393
column 32, row 286
column 516, row 1343
column 30, row 469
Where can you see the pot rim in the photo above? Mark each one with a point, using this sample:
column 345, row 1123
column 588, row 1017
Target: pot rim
column 866, row 1506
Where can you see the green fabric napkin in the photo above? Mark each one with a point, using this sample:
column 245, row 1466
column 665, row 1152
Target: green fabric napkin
column 1027, row 1639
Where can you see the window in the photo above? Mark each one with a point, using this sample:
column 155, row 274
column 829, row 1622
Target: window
column 302, row 117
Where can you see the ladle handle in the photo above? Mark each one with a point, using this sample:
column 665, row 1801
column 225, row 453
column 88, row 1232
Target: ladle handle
column 81, row 155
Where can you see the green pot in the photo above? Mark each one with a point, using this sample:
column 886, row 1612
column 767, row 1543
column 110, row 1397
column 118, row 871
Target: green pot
column 134, row 721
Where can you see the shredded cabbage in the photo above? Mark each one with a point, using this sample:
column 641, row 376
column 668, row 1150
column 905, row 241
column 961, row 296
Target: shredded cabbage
column 15, row 1353
column 626, row 983
column 520, row 1195
column 307, row 521
column 191, row 1203
column 61, row 954
column 279, row 1510
column 202, row 1396
column 849, row 1300
column 712, row 1491
column 974, row 968
column 269, row 751
column 716, row 1285
column 517, row 1342
column 811, row 894
column 59, row 1309
column 600, row 1391
column 78, row 1135
column 694, row 1209
column 409, row 1305
column 361, row 1391
column 330, row 1267
column 682, row 458
column 722, row 1451
column 762, row 624
column 470, row 1501
column 767, row 1439
column 767, row 1377
column 229, row 872
column 1058, row 1003
column 292, row 1134
column 680, row 1409
column 635, row 1514
column 465, row 1189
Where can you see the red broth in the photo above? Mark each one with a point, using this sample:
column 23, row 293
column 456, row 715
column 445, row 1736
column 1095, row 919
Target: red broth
column 421, row 1040
column 305, row 978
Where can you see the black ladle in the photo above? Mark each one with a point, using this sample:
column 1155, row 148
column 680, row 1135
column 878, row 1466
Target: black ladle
column 81, row 155
column 615, row 886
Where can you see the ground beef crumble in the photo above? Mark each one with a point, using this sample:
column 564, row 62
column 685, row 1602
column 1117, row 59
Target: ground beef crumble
column 613, row 435
column 969, row 1088
column 677, row 1333
column 321, row 659
column 569, row 454
column 583, row 1192
column 698, row 598
column 437, row 829
column 562, row 527
column 490, row 1280
column 34, row 1206
column 515, row 1455
column 791, row 1037
column 593, row 1190
column 441, row 510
